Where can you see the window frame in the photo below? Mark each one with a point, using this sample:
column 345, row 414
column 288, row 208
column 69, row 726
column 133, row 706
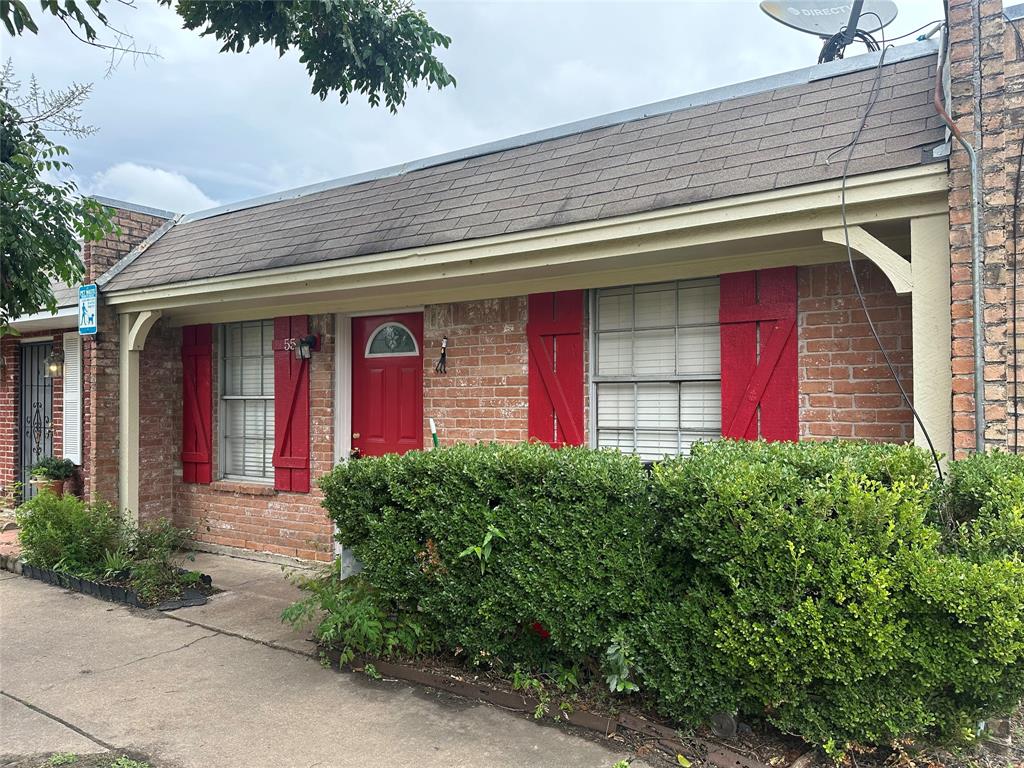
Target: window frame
column 223, row 398
column 594, row 378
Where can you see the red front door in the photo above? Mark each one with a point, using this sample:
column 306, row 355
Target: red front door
column 387, row 384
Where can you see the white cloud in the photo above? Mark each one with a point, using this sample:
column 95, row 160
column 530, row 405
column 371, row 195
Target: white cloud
column 230, row 126
column 145, row 185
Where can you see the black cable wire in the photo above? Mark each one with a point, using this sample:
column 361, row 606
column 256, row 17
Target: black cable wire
column 831, row 45
column 852, row 146
column 913, row 31
column 1015, row 234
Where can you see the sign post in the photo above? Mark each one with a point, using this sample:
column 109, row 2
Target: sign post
column 87, row 306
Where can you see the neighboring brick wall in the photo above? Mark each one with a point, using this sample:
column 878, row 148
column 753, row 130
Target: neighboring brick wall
column 1013, row 76
column 971, row 22
column 846, row 389
column 8, row 417
column 255, row 516
column 484, row 394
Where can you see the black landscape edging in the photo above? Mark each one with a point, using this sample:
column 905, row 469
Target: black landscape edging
column 606, row 725
column 110, row 592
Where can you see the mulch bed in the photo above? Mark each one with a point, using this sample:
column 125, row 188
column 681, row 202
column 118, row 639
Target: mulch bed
column 754, row 745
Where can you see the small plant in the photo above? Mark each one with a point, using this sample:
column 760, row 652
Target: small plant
column 157, row 553
column 482, row 552
column 52, row 468
column 371, row 671
column 62, row 758
column 526, row 683
column 352, row 618
column 618, row 660
column 126, row 762
column 116, row 564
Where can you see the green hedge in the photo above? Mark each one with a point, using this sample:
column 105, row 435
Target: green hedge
column 836, row 589
column 571, row 555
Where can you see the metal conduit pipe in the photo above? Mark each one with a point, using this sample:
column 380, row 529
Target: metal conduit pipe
column 976, row 250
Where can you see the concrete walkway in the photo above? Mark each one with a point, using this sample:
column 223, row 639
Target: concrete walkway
column 78, row 674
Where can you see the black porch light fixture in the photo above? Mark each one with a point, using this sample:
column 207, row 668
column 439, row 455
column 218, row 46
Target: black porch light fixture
column 305, row 346
column 54, row 365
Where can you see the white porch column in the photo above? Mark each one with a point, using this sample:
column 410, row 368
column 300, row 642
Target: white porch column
column 133, row 332
column 932, row 331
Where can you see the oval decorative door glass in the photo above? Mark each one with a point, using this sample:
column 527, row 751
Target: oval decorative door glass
column 387, row 384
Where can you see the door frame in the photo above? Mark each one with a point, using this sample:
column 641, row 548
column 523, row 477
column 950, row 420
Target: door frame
column 23, row 474
column 343, row 401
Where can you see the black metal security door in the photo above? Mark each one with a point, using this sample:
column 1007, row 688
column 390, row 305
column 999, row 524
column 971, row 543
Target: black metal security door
column 36, row 417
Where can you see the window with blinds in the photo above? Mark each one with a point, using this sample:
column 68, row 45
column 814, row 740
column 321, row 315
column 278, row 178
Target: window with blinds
column 657, row 371
column 247, row 399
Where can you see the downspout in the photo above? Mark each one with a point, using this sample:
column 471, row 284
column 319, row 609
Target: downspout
column 976, row 250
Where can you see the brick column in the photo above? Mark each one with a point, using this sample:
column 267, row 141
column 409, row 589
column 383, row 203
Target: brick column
column 976, row 54
column 100, row 380
column 1013, row 79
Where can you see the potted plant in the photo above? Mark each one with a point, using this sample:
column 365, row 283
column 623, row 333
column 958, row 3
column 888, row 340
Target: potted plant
column 51, row 473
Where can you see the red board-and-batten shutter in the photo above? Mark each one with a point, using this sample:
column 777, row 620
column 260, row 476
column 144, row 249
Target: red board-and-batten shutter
column 291, row 406
column 554, row 335
column 760, row 389
column 197, row 403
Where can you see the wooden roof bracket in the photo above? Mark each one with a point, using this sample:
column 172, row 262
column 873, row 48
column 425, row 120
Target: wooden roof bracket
column 895, row 267
column 139, row 329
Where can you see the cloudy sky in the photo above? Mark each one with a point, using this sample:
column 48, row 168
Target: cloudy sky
column 194, row 128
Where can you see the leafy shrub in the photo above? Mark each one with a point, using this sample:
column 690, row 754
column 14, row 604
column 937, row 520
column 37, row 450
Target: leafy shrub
column 818, row 585
column 571, row 562
column 94, row 540
column 354, row 618
column 984, row 507
column 818, row 596
column 68, row 534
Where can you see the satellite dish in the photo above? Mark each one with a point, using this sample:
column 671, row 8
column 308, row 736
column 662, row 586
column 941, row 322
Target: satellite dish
column 826, row 18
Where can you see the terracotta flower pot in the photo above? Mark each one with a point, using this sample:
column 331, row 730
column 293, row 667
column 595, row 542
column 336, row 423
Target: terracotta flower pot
column 54, row 486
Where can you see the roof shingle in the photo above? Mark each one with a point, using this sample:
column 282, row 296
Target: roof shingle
column 756, row 142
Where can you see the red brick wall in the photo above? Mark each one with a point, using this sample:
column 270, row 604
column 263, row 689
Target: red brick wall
column 845, row 387
column 250, row 515
column 8, row 416
column 159, row 421
column 484, row 394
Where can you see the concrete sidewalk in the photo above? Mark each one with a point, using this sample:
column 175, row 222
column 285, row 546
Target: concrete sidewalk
column 82, row 675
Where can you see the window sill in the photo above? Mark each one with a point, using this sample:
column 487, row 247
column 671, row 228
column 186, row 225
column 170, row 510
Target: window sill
column 249, row 487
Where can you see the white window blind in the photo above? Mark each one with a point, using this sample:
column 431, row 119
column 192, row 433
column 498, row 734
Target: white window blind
column 72, row 384
column 247, row 399
column 658, row 372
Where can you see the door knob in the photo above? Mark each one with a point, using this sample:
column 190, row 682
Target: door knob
column 355, row 435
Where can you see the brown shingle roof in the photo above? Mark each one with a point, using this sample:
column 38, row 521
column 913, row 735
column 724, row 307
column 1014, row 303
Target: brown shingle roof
column 775, row 138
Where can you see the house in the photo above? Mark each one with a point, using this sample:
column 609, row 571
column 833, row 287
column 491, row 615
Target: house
column 639, row 280
column 53, row 415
